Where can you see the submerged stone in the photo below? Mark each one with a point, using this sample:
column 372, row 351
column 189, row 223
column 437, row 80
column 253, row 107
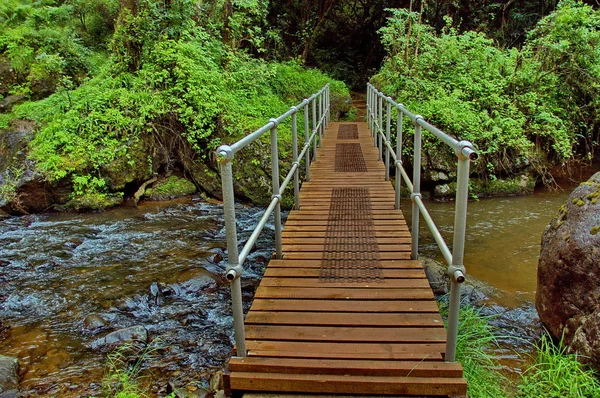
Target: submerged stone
column 93, row 322
column 131, row 334
column 9, row 374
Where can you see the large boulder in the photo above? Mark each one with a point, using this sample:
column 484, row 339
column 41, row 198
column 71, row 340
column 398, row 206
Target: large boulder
column 568, row 292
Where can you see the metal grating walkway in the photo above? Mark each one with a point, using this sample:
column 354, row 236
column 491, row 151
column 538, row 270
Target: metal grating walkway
column 346, row 311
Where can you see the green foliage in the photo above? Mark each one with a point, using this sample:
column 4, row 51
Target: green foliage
column 556, row 373
column 474, row 350
column 43, row 40
column 124, row 367
column 170, row 86
column 532, row 105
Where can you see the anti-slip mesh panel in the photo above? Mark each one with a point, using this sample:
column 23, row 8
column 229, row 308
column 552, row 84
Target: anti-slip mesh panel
column 349, row 159
column 351, row 253
column 347, row 132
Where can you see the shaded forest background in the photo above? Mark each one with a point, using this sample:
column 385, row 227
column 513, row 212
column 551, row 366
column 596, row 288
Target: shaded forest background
column 98, row 98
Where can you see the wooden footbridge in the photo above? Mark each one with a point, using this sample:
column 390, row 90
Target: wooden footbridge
column 342, row 309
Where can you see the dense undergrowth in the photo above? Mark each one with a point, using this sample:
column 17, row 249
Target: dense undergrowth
column 526, row 109
column 163, row 91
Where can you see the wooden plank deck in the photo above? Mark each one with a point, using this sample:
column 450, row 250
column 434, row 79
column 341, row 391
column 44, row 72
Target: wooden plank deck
column 345, row 311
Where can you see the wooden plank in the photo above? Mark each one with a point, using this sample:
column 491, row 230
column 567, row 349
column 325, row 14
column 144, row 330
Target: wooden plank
column 347, row 334
column 289, row 233
column 399, row 227
column 321, row 248
column 339, row 350
column 299, row 238
column 317, row 263
column 346, row 367
column 315, row 273
column 343, row 293
column 342, row 319
column 317, row 256
column 335, row 384
column 377, row 306
column 317, row 283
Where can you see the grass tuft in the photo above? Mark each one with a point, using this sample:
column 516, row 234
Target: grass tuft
column 556, row 373
column 475, row 351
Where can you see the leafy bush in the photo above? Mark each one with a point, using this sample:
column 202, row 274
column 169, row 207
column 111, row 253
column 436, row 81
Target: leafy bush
column 532, row 106
column 187, row 93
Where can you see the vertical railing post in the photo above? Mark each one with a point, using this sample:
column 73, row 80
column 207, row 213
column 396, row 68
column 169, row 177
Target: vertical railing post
column 275, row 178
column 375, row 101
column 234, row 270
column 320, row 120
column 398, row 157
column 457, row 271
column 369, row 108
column 380, row 129
column 295, row 158
column 388, row 122
column 314, row 120
column 306, row 138
column 416, row 189
column 327, row 106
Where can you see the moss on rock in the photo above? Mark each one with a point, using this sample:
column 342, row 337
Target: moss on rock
column 170, row 188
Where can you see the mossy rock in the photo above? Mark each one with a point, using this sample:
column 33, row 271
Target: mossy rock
column 94, row 201
column 170, row 188
column 481, row 188
column 125, row 169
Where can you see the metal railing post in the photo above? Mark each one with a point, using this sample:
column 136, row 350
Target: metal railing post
column 321, row 126
column 369, row 108
column 306, row 138
column 295, row 158
column 457, row 270
column 388, row 122
column 225, row 157
column 314, row 120
column 328, row 105
column 416, row 189
column 380, row 129
column 375, row 101
column 275, row 178
column 399, row 157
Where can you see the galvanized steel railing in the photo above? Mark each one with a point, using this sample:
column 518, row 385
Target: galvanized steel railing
column 321, row 114
column 465, row 153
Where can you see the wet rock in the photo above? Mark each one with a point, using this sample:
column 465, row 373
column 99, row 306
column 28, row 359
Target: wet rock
column 189, row 391
column 473, row 290
column 216, row 255
column 9, row 101
column 9, row 374
column 131, row 334
column 216, row 381
column 156, row 296
column 199, row 284
column 26, row 189
column 94, row 322
column 568, row 293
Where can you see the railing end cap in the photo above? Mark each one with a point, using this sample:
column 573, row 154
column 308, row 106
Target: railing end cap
column 225, row 154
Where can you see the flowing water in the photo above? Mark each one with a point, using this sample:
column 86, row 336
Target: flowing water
column 502, row 240
column 159, row 266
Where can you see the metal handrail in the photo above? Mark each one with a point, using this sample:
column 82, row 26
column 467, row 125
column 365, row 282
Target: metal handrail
column 225, row 156
column 465, row 152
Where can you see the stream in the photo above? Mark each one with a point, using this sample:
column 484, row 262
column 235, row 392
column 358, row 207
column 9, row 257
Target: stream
column 160, row 266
